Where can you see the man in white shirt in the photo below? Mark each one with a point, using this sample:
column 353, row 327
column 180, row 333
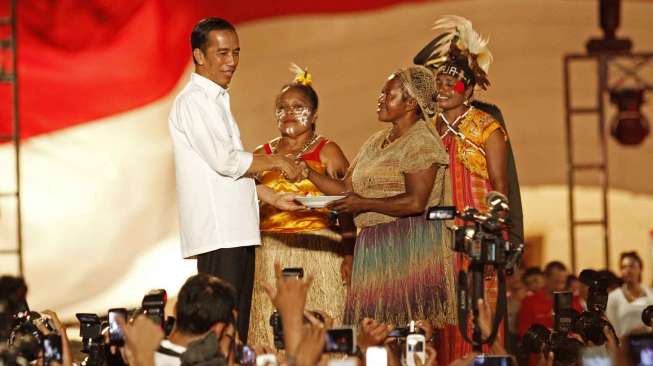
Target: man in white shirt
column 218, row 206
column 205, row 304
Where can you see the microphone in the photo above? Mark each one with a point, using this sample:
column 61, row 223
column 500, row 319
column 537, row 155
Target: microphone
column 496, row 201
column 514, row 259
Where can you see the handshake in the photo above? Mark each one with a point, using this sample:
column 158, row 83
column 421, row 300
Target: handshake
column 293, row 170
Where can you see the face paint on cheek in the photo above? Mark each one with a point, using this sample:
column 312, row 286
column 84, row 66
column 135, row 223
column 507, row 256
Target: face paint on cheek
column 459, row 88
column 279, row 114
column 302, row 116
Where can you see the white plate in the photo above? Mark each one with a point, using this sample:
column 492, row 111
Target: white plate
column 317, row 201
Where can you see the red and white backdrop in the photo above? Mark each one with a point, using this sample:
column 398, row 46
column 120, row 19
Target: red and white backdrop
column 97, row 79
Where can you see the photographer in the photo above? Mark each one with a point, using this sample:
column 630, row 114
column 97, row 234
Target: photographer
column 60, row 330
column 142, row 338
column 205, row 304
column 289, row 298
column 374, row 334
column 538, row 308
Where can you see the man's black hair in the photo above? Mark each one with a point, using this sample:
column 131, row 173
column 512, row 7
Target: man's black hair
column 551, row 266
column 531, row 271
column 199, row 37
column 204, row 301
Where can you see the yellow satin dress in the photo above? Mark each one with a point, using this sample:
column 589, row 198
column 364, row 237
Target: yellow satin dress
column 307, row 239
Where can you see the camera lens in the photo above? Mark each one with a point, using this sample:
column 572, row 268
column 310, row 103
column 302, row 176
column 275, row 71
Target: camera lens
column 536, row 338
column 647, row 315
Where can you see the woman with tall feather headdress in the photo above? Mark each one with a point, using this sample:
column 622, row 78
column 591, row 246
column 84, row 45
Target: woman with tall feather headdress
column 315, row 240
column 475, row 141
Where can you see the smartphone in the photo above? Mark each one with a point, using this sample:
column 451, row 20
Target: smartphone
column 493, row 360
column 116, row 334
column 267, row 359
column 595, row 356
column 377, row 356
column 52, row 349
column 340, row 340
column 563, row 311
column 245, row 355
column 441, row 213
column 640, row 349
column 415, row 346
column 399, row 332
column 294, row 272
column 349, row 361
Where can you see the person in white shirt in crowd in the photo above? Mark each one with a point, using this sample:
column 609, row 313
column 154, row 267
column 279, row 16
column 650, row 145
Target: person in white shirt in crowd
column 205, row 304
column 626, row 303
column 217, row 197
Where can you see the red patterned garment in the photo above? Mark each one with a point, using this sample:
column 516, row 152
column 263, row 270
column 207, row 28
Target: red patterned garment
column 469, row 183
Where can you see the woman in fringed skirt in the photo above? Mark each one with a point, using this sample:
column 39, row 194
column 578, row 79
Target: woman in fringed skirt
column 402, row 264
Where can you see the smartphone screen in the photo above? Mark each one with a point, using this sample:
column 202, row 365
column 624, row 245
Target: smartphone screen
column 491, row 360
column 267, row 359
column 245, row 355
column 376, row 356
column 295, row 272
column 441, row 213
column 52, row 349
column 340, row 340
column 116, row 335
column 595, row 356
column 398, row 333
column 415, row 347
column 641, row 349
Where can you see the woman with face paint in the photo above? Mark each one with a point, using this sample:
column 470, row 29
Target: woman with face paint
column 316, row 240
column 475, row 142
column 402, row 263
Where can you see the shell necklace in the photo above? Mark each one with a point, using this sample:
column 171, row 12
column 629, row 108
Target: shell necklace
column 304, row 149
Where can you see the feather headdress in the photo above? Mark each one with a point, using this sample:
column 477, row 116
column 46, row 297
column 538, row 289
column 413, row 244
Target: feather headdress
column 302, row 76
column 458, row 43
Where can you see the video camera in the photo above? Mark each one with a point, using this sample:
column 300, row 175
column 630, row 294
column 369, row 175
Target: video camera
column 482, row 239
column 481, row 235
column 90, row 330
column 540, row 340
column 591, row 322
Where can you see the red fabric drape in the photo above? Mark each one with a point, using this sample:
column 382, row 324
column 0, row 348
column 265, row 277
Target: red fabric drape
column 80, row 60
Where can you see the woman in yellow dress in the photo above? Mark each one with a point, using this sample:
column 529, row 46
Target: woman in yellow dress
column 315, row 240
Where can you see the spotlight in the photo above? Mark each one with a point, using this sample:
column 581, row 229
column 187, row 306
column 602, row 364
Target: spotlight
column 629, row 126
column 609, row 15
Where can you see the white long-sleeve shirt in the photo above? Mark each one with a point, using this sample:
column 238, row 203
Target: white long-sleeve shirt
column 626, row 316
column 218, row 207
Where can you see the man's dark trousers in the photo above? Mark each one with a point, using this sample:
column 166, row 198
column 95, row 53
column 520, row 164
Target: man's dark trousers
column 236, row 266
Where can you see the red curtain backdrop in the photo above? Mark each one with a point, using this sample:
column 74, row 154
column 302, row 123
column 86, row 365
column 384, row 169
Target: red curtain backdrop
column 80, row 60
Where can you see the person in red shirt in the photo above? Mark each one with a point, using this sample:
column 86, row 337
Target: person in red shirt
column 538, row 307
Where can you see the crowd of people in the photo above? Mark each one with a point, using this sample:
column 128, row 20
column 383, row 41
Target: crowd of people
column 368, row 278
column 205, row 330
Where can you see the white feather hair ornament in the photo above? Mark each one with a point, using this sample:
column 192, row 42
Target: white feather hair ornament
column 467, row 39
column 302, row 76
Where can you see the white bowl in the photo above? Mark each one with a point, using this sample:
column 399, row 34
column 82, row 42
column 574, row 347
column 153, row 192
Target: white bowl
column 317, row 201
